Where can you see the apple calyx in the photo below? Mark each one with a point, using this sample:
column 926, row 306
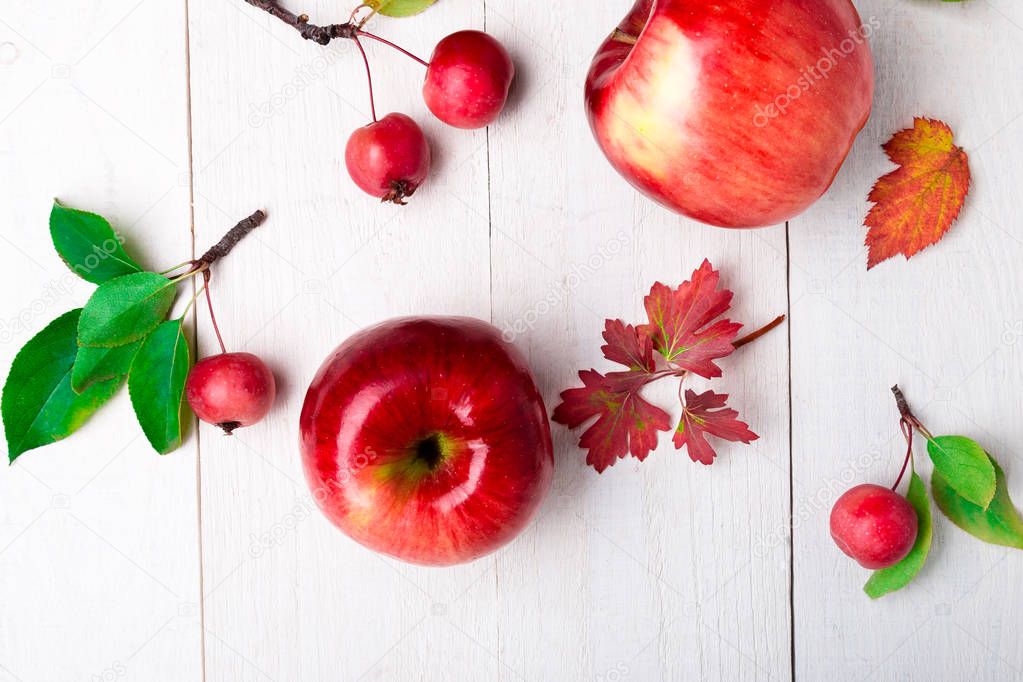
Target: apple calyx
column 426, row 456
column 400, row 191
column 229, row 427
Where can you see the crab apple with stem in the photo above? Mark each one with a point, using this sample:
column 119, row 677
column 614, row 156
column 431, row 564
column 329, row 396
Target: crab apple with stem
column 875, row 525
column 389, row 158
column 468, row 79
column 229, row 390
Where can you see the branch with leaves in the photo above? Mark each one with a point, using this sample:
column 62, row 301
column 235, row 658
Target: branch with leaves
column 969, row 488
column 685, row 329
column 70, row 369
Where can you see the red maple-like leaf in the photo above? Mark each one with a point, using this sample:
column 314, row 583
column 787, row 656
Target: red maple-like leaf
column 626, row 346
column 682, row 322
column 916, row 204
column 626, row 423
column 683, row 326
column 705, row 414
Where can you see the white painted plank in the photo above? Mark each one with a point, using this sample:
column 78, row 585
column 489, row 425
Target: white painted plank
column 646, row 572
column 98, row 538
column 945, row 325
column 288, row 596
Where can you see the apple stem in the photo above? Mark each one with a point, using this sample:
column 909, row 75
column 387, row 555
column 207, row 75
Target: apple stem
column 749, row 338
column 191, row 303
column 371, row 36
column 907, row 414
column 352, row 19
column 369, row 79
column 907, row 431
column 213, row 317
column 168, row 271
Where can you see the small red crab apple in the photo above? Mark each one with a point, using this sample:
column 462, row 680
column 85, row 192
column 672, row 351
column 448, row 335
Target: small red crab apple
column 467, row 80
column 231, row 390
column 874, row 525
column 388, row 158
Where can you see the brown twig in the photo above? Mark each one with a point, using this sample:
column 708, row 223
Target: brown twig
column 749, row 338
column 351, row 29
column 229, row 241
column 300, row 22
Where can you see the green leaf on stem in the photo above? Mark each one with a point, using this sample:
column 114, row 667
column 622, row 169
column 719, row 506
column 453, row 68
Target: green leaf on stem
column 399, row 8
column 901, row 574
column 156, row 384
column 125, row 309
column 88, row 245
column 966, row 467
column 39, row 406
column 1000, row 523
column 100, row 364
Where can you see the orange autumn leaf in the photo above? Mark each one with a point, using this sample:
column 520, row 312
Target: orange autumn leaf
column 916, row 204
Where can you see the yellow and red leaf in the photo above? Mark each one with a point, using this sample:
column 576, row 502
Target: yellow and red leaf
column 916, row 204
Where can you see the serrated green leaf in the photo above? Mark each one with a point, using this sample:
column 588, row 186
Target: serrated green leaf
column 125, row 309
column 101, row 364
column 38, row 405
column 966, row 467
column 901, row 574
column 88, row 245
column 400, row 8
column 999, row 524
column 156, row 384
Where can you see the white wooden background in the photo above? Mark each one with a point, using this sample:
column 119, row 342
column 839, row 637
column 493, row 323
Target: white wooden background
column 174, row 119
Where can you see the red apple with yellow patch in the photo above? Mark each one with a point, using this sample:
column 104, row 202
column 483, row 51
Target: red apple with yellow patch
column 737, row 113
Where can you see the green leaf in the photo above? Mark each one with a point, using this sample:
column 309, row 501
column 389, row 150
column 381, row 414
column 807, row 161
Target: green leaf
column 39, row 407
column 400, row 8
column 966, row 467
column 999, row 524
column 88, row 245
column 125, row 309
column 901, row 574
column 157, row 385
column 101, row 364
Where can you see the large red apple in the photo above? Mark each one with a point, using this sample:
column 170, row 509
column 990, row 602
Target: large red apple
column 737, row 113
column 426, row 439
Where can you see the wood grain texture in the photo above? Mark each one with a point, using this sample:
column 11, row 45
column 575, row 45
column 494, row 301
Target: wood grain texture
column 98, row 538
column 945, row 326
column 664, row 570
column 288, row 596
column 646, row 572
